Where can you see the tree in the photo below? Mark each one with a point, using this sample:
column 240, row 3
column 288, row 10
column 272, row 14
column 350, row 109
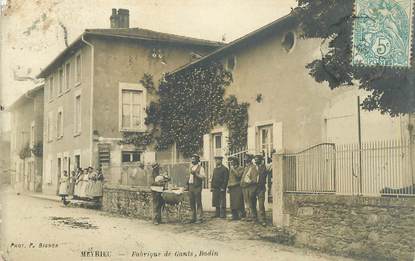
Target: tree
column 392, row 90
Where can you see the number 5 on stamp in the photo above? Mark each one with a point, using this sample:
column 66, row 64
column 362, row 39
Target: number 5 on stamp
column 382, row 33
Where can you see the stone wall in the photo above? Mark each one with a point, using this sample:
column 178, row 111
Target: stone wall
column 362, row 227
column 137, row 202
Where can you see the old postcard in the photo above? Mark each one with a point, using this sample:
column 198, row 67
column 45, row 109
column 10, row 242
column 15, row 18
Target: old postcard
column 207, row 130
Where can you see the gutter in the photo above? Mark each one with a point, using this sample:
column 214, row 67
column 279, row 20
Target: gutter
column 91, row 132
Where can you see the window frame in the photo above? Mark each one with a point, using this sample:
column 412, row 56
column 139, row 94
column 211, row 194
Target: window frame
column 131, row 154
column 51, row 87
column 67, row 77
column 132, row 87
column 76, row 131
column 78, row 80
column 61, row 80
column 49, row 127
column 59, row 121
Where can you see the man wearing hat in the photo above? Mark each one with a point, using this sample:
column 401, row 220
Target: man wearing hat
column 261, row 187
column 235, row 190
column 218, row 187
column 249, row 185
column 195, row 182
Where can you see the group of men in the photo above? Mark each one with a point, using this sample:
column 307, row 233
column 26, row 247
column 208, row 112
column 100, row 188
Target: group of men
column 246, row 187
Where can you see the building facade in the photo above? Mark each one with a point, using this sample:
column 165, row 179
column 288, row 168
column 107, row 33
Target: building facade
column 93, row 95
column 288, row 110
column 26, row 141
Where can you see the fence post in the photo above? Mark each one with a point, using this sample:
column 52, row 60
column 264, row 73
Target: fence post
column 279, row 219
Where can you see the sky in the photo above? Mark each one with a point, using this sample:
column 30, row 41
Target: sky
column 32, row 34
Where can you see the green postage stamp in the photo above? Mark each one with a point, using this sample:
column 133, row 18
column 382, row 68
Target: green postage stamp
column 382, row 33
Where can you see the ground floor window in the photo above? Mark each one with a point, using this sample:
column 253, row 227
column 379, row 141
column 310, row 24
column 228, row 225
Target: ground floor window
column 131, row 156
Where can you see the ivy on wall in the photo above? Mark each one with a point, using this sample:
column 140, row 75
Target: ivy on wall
column 189, row 105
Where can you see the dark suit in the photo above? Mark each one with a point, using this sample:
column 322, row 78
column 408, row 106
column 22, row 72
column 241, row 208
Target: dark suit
column 219, row 183
column 260, row 192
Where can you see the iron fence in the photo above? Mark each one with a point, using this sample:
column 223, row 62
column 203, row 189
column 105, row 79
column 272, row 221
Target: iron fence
column 378, row 168
column 312, row 170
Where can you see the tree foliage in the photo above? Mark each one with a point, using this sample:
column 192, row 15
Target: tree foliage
column 391, row 89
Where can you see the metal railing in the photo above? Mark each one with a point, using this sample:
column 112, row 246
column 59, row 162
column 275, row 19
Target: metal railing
column 240, row 155
column 311, row 170
column 378, row 168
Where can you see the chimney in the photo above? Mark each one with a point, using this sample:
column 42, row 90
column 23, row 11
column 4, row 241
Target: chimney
column 120, row 19
column 114, row 19
column 124, row 18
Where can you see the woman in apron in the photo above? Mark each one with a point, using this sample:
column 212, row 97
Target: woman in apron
column 63, row 187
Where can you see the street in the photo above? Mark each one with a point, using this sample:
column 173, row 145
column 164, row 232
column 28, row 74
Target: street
column 36, row 229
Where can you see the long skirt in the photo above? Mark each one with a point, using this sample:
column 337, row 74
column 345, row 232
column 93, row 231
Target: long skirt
column 63, row 189
column 71, row 188
column 236, row 197
column 82, row 188
column 95, row 189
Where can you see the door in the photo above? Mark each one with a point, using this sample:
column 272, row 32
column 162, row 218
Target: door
column 217, row 145
column 266, row 140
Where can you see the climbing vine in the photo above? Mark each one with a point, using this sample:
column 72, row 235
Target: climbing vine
column 189, row 105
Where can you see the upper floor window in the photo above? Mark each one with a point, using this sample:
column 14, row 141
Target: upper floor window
column 60, row 80
column 50, row 87
column 288, row 41
column 231, row 63
column 59, row 123
column 49, row 126
column 132, row 101
column 77, row 118
column 78, row 67
column 67, row 76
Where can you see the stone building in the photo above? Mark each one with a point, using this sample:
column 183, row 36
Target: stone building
column 288, row 110
column 93, row 94
column 26, row 141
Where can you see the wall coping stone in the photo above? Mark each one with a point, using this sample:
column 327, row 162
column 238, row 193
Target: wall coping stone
column 389, row 202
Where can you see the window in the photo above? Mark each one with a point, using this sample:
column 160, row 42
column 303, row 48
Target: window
column 60, row 81
column 77, row 161
column 288, row 41
column 77, row 118
column 131, row 156
column 78, row 69
column 231, row 63
column 266, row 139
column 131, row 109
column 217, row 144
column 32, row 134
column 59, row 123
column 51, row 88
column 49, row 126
column 67, row 76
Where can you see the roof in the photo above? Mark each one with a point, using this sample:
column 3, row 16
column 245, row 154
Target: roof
column 138, row 34
column 250, row 36
column 27, row 95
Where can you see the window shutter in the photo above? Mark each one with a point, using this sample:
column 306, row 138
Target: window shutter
column 206, row 146
column 251, row 140
column 277, row 136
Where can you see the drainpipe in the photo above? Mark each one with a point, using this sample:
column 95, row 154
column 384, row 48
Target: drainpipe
column 91, row 100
